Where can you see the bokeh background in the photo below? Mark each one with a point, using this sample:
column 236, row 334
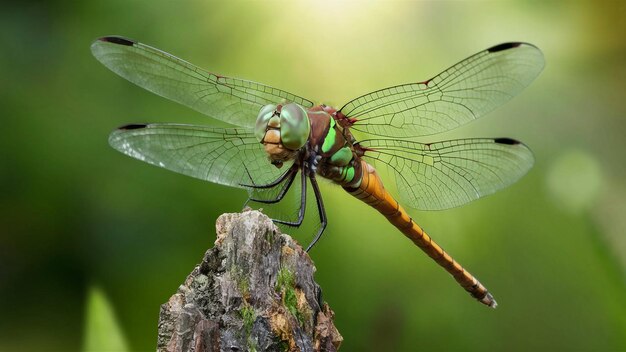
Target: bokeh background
column 76, row 216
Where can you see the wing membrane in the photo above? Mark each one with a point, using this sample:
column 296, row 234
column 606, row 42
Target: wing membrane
column 450, row 173
column 458, row 95
column 232, row 100
column 228, row 156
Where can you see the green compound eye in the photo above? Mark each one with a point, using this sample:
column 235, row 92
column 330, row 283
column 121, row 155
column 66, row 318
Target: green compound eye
column 262, row 120
column 294, row 126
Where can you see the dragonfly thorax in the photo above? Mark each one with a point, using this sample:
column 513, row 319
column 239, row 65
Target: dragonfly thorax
column 283, row 130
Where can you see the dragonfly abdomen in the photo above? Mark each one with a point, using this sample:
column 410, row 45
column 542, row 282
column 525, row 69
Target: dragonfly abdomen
column 372, row 192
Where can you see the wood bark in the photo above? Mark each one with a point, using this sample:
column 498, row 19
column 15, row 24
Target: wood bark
column 253, row 291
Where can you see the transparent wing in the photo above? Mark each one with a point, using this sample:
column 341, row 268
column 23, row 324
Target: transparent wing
column 228, row 156
column 228, row 99
column 448, row 174
column 458, row 95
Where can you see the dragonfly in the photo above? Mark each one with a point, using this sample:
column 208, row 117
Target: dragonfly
column 279, row 137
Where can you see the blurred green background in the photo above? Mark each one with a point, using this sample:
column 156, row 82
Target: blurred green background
column 75, row 214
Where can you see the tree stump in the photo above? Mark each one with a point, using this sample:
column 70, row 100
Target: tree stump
column 253, row 291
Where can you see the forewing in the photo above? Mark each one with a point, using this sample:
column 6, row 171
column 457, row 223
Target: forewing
column 232, row 100
column 458, row 95
column 228, row 156
column 448, row 174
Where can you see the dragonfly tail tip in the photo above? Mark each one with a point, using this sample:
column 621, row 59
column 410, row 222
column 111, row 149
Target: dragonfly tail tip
column 489, row 301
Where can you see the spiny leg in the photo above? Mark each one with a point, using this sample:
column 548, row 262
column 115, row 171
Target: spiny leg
column 290, row 175
column 302, row 203
column 280, row 179
column 320, row 209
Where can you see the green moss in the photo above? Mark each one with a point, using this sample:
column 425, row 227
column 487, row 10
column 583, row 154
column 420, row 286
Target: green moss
column 251, row 345
column 304, row 316
column 283, row 345
column 291, row 301
column 269, row 236
column 285, row 284
column 285, row 279
column 248, row 315
column 243, row 282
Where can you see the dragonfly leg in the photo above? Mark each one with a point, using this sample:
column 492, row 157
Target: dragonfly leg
column 302, row 209
column 291, row 170
column 321, row 211
column 285, row 188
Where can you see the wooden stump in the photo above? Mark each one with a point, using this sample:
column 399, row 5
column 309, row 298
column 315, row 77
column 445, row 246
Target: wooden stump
column 253, row 291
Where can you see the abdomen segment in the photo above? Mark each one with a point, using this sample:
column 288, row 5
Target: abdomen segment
column 372, row 192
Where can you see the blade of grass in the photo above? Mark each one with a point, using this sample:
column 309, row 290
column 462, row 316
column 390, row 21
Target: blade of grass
column 102, row 330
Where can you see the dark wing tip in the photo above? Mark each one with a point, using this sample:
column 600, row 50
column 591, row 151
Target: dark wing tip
column 133, row 126
column 504, row 46
column 118, row 40
column 508, row 141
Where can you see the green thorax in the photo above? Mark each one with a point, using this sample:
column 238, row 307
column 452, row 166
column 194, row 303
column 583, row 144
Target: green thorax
column 335, row 146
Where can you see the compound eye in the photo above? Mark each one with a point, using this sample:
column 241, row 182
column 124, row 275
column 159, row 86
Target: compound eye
column 294, row 126
column 263, row 120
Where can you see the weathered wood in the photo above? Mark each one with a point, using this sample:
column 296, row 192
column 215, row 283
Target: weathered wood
column 253, row 291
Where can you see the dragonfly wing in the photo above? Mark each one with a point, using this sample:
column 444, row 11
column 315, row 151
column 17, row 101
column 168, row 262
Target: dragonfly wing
column 458, row 95
column 228, row 156
column 448, row 174
column 232, row 100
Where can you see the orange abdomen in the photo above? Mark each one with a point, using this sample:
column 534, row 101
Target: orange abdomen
column 372, row 192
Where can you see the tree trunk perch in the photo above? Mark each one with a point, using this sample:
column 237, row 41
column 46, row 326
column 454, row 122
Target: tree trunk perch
column 253, row 291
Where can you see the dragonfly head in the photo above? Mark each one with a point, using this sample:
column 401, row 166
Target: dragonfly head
column 283, row 130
